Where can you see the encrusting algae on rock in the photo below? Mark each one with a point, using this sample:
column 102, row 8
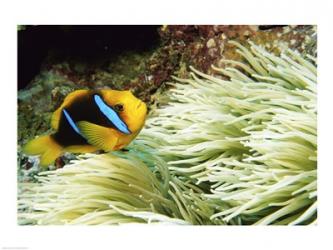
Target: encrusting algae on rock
column 235, row 148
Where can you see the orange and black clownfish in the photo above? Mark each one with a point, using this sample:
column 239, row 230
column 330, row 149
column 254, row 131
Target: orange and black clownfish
column 90, row 120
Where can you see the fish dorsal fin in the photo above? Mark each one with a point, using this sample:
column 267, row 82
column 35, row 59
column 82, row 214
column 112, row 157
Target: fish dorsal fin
column 111, row 115
column 98, row 136
column 68, row 100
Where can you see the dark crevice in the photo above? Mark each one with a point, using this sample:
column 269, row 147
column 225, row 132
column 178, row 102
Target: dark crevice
column 91, row 44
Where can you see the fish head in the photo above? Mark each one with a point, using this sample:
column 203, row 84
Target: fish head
column 130, row 108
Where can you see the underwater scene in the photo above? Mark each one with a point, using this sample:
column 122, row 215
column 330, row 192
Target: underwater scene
column 167, row 124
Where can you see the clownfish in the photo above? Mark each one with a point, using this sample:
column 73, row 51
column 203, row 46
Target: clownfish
column 90, row 120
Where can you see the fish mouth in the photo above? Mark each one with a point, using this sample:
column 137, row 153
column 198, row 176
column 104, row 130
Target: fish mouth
column 139, row 105
column 141, row 108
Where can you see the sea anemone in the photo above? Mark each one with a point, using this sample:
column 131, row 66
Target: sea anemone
column 238, row 147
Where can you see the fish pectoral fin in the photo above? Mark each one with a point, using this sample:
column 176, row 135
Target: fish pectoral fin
column 98, row 136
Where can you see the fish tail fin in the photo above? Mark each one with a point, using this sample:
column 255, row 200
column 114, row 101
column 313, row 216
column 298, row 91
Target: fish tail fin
column 46, row 147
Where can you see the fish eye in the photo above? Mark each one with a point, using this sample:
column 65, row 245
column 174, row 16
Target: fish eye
column 118, row 107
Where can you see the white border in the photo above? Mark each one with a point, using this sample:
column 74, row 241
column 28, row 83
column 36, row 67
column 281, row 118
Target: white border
column 162, row 12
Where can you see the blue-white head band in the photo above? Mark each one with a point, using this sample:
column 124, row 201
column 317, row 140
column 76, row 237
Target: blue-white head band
column 111, row 115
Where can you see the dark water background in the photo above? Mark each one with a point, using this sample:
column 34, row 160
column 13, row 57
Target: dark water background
column 88, row 43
